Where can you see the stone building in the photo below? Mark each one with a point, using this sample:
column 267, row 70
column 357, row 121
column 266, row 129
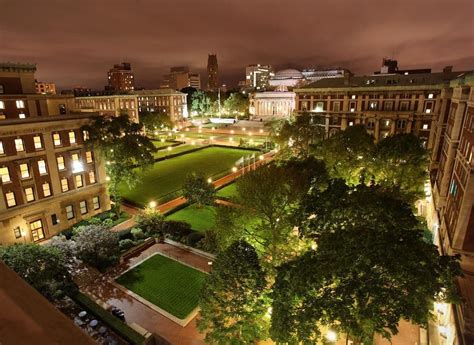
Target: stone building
column 271, row 105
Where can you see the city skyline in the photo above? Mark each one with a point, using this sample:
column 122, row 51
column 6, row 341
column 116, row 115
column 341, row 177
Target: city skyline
column 152, row 37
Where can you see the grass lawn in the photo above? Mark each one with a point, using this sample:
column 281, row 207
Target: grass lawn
column 159, row 145
column 228, row 191
column 166, row 283
column 166, row 177
column 201, row 219
column 174, row 150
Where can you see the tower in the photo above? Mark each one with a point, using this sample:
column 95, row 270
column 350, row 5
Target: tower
column 212, row 72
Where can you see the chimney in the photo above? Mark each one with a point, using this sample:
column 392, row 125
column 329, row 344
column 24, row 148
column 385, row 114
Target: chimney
column 347, row 77
column 448, row 69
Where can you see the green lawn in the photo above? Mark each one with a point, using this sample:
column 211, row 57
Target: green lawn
column 200, row 219
column 159, row 145
column 174, row 150
column 165, row 178
column 228, row 191
column 166, row 283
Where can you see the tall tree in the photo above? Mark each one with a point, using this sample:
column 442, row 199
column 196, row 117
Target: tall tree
column 236, row 104
column 201, row 102
column 123, row 146
column 198, row 190
column 153, row 121
column 298, row 136
column 370, row 269
column 348, row 154
column 232, row 301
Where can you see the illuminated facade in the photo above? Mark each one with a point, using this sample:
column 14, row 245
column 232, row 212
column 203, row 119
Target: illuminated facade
column 257, row 76
column 180, row 78
column 121, row 78
column 166, row 101
column 268, row 105
column 43, row 88
column 109, row 105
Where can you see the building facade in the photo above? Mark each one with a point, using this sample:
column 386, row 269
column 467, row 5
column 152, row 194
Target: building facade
column 121, row 78
column 312, row 74
column 166, row 101
column 271, row 105
column 108, row 105
column 212, row 73
column 257, row 76
column 49, row 181
column 180, row 77
column 43, row 88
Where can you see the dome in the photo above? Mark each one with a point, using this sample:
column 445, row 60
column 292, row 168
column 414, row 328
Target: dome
column 288, row 74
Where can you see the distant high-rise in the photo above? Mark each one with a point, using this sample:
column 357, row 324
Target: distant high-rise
column 257, row 76
column 121, row 78
column 180, row 77
column 212, row 72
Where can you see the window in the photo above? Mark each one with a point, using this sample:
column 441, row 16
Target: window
column 370, row 124
column 79, row 182
column 24, row 170
column 353, row 97
column 401, row 124
column 54, row 219
column 69, row 212
column 30, row 195
column 319, row 107
column 19, row 145
column 62, row 109
column 2, row 151
column 351, row 123
column 38, row 143
column 85, row 135
column 17, row 232
column 5, row 174
column 20, row 104
column 83, row 207
column 72, row 137
column 2, row 105
column 76, row 163
column 373, row 105
column 92, row 177
column 46, row 189
column 430, row 95
column 60, row 161
column 64, row 185
column 96, row 202
column 2, row 89
column 56, row 139
column 42, row 167
column 89, row 158
column 336, row 106
column 11, row 201
column 404, row 106
column 37, row 231
column 453, row 188
column 21, row 115
column 388, row 106
column 352, row 106
column 425, row 126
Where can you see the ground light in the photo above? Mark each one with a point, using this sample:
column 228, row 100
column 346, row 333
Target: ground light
column 261, row 157
column 162, row 140
column 107, row 178
column 152, row 204
column 209, row 180
column 331, row 335
column 234, row 169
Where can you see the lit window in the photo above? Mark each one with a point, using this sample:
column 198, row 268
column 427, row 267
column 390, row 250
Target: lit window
column 38, row 143
column 56, row 139
column 64, row 185
column 352, row 110
column 37, row 231
column 19, row 145
column 46, row 189
column 428, row 111
column 69, row 212
column 72, row 137
column 20, row 104
column 319, row 106
column 11, row 201
column 2, row 151
column 42, row 167
column 5, row 174
column 92, row 177
column 351, row 123
column 430, row 96
column 83, row 207
column 79, row 182
column 85, row 135
column 24, row 171
column 425, row 126
column 76, row 163
column 60, row 160
column 373, row 105
column 21, row 115
column 353, row 96
column 30, row 195
column 89, row 157
column 96, row 202
column 2, row 105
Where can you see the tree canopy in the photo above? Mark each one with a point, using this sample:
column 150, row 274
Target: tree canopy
column 201, row 102
column 198, row 190
column 236, row 104
column 153, row 121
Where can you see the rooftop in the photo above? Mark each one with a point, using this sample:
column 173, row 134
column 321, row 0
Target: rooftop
column 17, row 67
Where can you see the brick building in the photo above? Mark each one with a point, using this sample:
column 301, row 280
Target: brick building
column 121, row 78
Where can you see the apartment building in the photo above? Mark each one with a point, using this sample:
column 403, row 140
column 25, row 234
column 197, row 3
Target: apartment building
column 166, row 101
column 108, row 105
column 121, row 78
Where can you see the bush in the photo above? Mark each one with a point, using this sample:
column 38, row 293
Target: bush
column 126, row 244
column 125, row 234
column 137, row 233
column 176, row 230
column 150, row 222
column 193, row 239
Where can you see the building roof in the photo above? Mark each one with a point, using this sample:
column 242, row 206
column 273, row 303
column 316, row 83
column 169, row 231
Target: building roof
column 26, row 317
column 288, row 74
column 17, row 67
column 385, row 80
column 158, row 92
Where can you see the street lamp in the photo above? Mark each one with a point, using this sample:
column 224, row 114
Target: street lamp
column 331, row 335
column 152, row 204
column 234, row 169
column 209, row 180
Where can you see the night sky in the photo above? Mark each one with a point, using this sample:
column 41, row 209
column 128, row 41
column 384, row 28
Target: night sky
column 75, row 42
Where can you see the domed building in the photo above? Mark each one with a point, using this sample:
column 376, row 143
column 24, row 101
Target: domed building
column 287, row 77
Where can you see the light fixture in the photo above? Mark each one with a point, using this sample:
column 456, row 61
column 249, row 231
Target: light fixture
column 331, row 335
column 152, row 204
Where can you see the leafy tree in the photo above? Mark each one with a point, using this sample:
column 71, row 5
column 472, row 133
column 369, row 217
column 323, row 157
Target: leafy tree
column 43, row 267
column 153, row 121
column 232, row 300
column 297, row 137
column 236, row 104
column 348, row 154
column 201, row 102
column 96, row 245
column 371, row 268
column 151, row 222
column 401, row 161
column 198, row 190
column 189, row 91
column 121, row 143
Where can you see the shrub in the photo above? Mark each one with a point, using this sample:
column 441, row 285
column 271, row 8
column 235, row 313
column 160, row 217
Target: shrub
column 126, row 244
column 137, row 233
column 193, row 239
column 150, row 222
column 176, row 230
column 125, row 234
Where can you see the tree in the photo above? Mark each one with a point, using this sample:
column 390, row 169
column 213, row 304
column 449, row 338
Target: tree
column 236, row 104
column 348, row 154
column 96, row 245
column 232, row 300
column 121, row 143
column 201, row 102
column 189, row 91
column 43, row 267
column 370, row 269
column 401, row 161
column 297, row 137
column 153, row 121
column 150, row 221
column 198, row 190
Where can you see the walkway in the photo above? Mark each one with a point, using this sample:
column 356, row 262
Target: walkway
column 100, row 286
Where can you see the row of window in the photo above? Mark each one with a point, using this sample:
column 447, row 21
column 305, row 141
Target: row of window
column 82, row 207
column 20, row 104
column 372, row 105
column 367, row 96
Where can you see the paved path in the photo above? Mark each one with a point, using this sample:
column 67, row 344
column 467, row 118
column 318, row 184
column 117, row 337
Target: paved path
column 100, row 287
